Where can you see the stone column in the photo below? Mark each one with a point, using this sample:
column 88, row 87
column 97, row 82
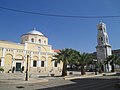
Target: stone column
column 31, row 63
column 13, row 62
column 46, row 61
column 2, row 61
column 3, row 56
column 39, row 62
column 31, row 59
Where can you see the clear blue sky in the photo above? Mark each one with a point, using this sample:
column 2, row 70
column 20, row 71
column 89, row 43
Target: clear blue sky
column 76, row 33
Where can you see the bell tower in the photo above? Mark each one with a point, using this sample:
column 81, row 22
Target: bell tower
column 103, row 47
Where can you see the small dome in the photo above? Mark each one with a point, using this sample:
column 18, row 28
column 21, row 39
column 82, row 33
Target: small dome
column 34, row 31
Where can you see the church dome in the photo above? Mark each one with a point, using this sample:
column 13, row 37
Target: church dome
column 34, row 31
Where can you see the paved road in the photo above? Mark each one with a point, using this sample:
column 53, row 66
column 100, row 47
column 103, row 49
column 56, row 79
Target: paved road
column 97, row 83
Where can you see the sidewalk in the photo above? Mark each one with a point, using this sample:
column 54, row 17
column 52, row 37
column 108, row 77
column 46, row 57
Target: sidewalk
column 18, row 78
column 31, row 80
column 76, row 75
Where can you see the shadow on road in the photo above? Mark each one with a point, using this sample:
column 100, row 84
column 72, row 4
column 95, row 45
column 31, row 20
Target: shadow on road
column 88, row 84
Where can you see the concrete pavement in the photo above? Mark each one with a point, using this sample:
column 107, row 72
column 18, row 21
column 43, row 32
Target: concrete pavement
column 94, row 83
column 30, row 81
column 17, row 78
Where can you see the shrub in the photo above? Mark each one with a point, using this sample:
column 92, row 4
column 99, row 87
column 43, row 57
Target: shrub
column 1, row 69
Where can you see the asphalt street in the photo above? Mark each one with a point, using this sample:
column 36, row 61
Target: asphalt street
column 95, row 83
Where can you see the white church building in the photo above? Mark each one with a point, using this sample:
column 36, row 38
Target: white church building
column 103, row 47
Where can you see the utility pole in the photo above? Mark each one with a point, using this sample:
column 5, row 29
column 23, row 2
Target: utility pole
column 95, row 62
column 26, row 76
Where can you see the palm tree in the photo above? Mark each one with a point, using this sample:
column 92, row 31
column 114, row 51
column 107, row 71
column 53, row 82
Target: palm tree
column 82, row 62
column 67, row 56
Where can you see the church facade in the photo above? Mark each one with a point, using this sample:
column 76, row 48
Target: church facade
column 33, row 51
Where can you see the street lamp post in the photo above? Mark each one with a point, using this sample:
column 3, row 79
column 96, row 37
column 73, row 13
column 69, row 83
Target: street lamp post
column 95, row 60
column 26, row 76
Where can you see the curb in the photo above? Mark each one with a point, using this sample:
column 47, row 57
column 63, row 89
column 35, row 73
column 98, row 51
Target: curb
column 79, row 77
column 105, row 74
column 87, row 76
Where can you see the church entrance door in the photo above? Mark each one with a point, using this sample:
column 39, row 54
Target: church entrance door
column 18, row 66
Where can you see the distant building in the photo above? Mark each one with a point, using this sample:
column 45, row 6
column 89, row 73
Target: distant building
column 33, row 44
column 116, row 52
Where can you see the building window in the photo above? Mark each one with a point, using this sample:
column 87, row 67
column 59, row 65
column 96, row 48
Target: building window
column 102, row 40
column 42, row 63
column 32, row 40
column 39, row 40
column 44, row 42
column 0, row 62
column 99, row 40
column 104, row 30
column 106, row 39
column 34, row 63
column 55, row 64
column 25, row 39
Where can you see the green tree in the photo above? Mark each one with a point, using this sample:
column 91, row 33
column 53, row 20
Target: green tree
column 112, row 59
column 67, row 56
column 90, row 58
column 82, row 60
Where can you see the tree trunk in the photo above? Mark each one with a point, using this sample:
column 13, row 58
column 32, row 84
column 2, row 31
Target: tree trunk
column 113, row 68
column 108, row 67
column 64, row 70
column 102, row 68
column 82, row 70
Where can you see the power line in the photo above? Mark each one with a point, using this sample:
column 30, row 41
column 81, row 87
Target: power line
column 56, row 15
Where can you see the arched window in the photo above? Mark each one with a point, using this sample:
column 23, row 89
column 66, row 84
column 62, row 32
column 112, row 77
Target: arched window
column 102, row 40
column 34, row 63
column 99, row 40
column 39, row 40
column 106, row 39
column 25, row 39
column 32, row 40
column 42, row 63
column 55, row 64
column 44, row 42
column 0, row 62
